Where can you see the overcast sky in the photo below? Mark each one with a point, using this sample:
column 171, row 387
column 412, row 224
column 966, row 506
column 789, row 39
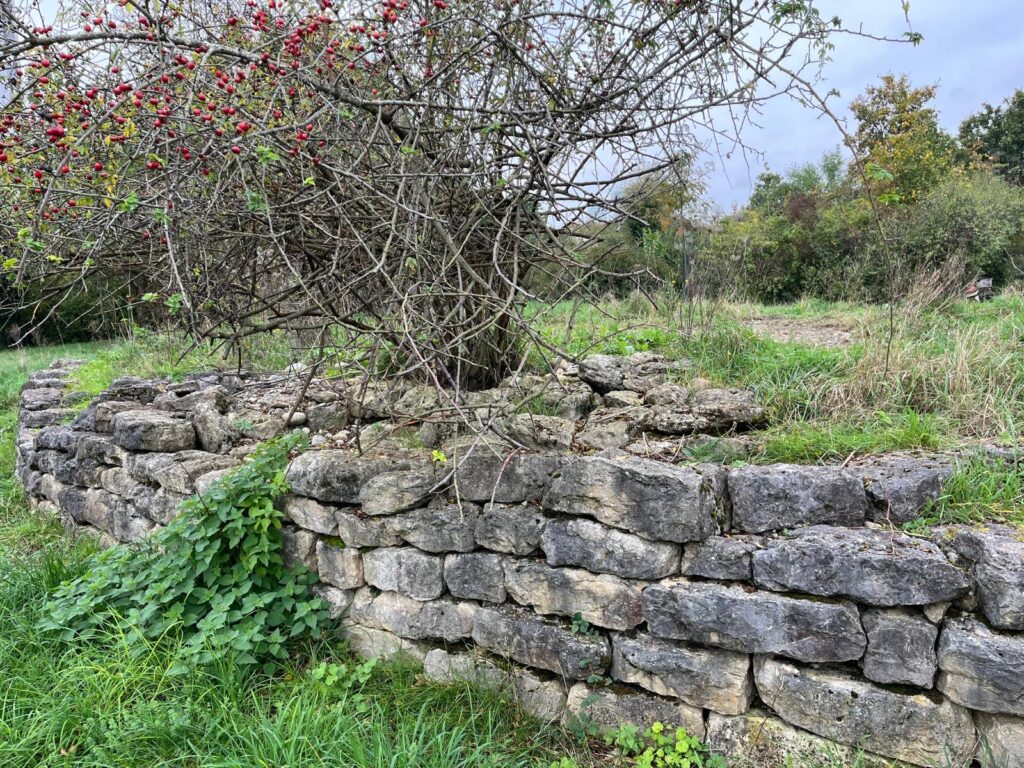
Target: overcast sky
column 973, row 50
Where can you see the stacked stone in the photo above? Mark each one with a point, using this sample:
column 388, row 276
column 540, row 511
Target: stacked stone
column 118, row 469
column 764, row 608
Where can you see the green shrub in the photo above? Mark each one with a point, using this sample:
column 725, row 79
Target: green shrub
column 977, row 218
column 214, row 578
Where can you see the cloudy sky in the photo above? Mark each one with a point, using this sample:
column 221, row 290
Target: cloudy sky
column 973, row 50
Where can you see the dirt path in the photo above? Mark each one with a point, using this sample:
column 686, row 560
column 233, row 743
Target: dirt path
column 820, row 332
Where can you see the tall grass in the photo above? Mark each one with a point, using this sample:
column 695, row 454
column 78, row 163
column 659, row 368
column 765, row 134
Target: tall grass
column 104, row 705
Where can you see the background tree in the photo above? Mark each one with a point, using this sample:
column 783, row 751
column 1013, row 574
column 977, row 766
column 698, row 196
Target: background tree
column 899, row 133
column 997, row 134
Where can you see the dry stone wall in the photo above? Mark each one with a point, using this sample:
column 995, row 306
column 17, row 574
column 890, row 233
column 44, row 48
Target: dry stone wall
column 768, row 609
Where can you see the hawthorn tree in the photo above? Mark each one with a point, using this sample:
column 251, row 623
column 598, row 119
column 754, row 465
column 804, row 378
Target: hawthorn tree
column 387, row 172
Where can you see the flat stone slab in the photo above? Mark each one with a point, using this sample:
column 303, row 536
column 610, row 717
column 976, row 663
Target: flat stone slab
column 612, row 706
column 919, row 729
column 600, row 599
column 523, row 636
column 152, row 431
column 980, row 668
column 602, row 549
column 702, row 677
column 438, row 528
column 721, row 557
column 493, row 474
column 777, row 496
column 412, row 619
column 754, row 621
column 648, row 498
column 406, row 570
column 476, row 576
column 338, row 476
column 874, row 567
column 512, row 529
column 759, row 738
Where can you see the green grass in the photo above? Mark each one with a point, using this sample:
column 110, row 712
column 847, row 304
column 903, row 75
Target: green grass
column 811, row 443
column 101, row 705
column 981, row 490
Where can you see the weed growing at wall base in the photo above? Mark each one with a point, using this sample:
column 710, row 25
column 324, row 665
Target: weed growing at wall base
column 215, row 577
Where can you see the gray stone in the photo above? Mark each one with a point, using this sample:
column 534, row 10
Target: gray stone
column 775, row 496
column 208, row 481
column 488, row 473
column 601, row 549
column 612, row 706
column 623, row 398
column 442, row 528
column 1002, row 740
column 391, row 492
column 475, row 576
column 338, row 475
column 721, row 557
column 539, row 698
column 132, row 388
column 523, row 636
column 666, row 394
column 105, row 411
column 604, row 600
column 40, row 399
column 328, row 417
column 541, row 433
column 152, row 431
column 441, row 666
column 996, row 558
column 515, row 530
column 568, row 399
column 214, row 431
column 605, row 373
column 757, row 738
column 754, row 621
column 901, row 648
column 215, row 397
column 310, row 514
column 44, row 418
column 101, row 448
column 341, row 567
column 177, row 472
column 298, row 548
column 652, row 499
column 163, row 506
column 710, row 410
column 358, row 531
column 920, row 729
column 980, row 668
column 611, row 428
column 371, row 643
column 58, row 438
column 874, row 567
column 900, row 486
column 405, row 570
column 702, row 677
column 338, row 600
column 413, row 619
